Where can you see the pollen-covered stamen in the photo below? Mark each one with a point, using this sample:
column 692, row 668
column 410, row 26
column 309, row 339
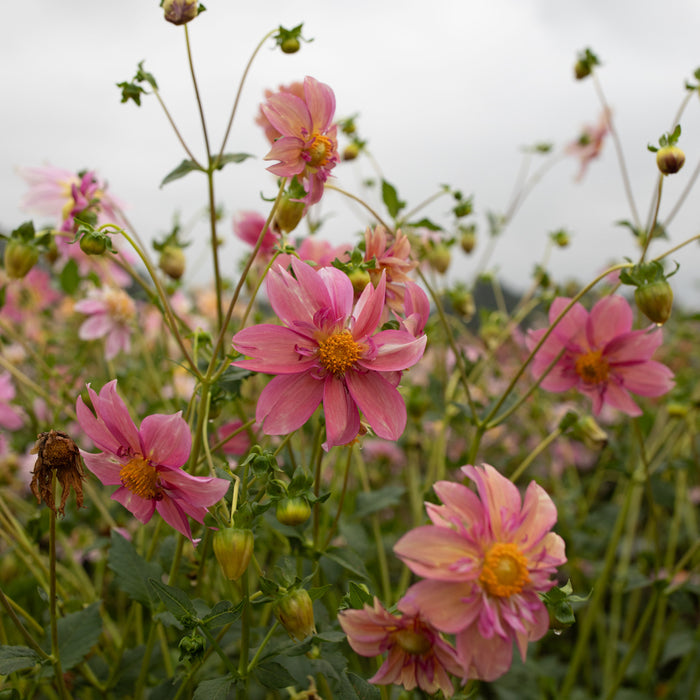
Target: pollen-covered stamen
column 504, row 572
column 413, row 641
column 120, row 306
column 592, row 367
column 338, row 352
column 319, row 152
column 141, row 478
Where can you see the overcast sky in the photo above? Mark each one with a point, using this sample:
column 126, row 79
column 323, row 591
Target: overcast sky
column 447, row 92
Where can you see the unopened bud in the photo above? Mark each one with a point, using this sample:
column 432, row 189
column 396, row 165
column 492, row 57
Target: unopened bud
column 172, row 261
column 233, row 548
column 581, row 70
column 360, row 279
column 180, row 11
column 439, row 258
column 288, row 214
column 290, row 45
column 293, row 511
column 468, row 239
column 670, row 159
column 295, row 613
column 93, row 243
column 19, row 258
column 352, row 150
column 655, row 300
column 587, row 430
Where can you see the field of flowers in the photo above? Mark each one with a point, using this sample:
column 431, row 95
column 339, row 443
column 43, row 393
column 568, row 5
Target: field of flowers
column 342, row 472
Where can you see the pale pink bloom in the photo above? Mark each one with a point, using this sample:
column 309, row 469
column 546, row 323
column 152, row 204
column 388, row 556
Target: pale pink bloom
column 10, row 417
column 590, row 143
column 239, row 444
column 416, row 308
column 328, row 351
column 417, row 655
column 485, row 560
column 145, row 462
column 248, row 225
column 271, row 134
column 318, row 251
column 308, row 145
column 111, row 312
column 603, row 357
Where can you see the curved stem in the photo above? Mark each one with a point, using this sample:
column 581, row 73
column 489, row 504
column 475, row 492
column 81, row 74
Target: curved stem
column 409, row 215
column 362, row 202
column 176, row 130
column 196, row 92
column 654, row 218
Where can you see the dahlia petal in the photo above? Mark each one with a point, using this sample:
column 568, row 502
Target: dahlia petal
column 199, row 491
column 166, row 440
column 381, row 404
column 537, row 630
column 273, row 349
column 90, row 306
column 539, row 514
column 610, row 316
column 616, row 396
column 110, row 407
column 460, row 501
column 449, row 606
column 339, row 289
column 141, row 508
column 96, row 326
column 632, row 347
column 646, row 379
column 369, row 308
column 287, row 402
column 572, row 327
column 95, row 428
column 396, row 350
column 295, row 301
column 288, row 114
column 173, row 514
column 10, row 419
column 104, row 467
column 118, row 340
column 321, row 102
column 483, row 659
column 342, row 417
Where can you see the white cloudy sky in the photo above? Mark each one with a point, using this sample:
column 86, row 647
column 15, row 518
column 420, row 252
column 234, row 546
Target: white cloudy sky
column 447, row 91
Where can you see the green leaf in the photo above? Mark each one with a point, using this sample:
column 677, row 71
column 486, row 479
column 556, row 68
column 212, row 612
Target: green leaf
column 391, row 199
column 131, row 91
column 425, row 223
column 69, row 279
column 364, row 690
column 187, row 166
column 216, row 689
column 231, row 158
column 16, row 658
column 347, row 559
column 176, row 603
column 144, row 76
column 373, row 501
column 223, row 613
column 273, row 675
column 131, row 571
column 78, row 632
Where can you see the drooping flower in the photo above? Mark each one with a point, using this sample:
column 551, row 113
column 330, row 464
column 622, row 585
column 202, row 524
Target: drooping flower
column 590, row 143
column 308, row 145
column 145, row 462
column 111, row 311
column 603, row 357
column 248, row 226
column 417, row 655
column 328, row 351
column 484, row 561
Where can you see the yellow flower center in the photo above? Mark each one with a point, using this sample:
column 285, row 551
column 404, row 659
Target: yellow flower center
column 413, row 642
column 338, row 352
column 319, row 151
column 141, row 478
column 120, row 306
column 592, row 367
column 505, row 570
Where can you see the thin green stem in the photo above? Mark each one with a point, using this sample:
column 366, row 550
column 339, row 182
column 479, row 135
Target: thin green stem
column 9, row 609
column 262, row 646
column 341, row 498
column 175, row 129
column 654, row 218
column 196, row 92
column 362, row 202
column 538, row 450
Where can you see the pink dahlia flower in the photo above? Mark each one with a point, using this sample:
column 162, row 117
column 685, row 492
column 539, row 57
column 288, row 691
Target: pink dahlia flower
column 308, row 145
column 10, row 417
column 590, row 143
column 602, row 356
column 485, row 560
column 248, row 226
column 328, row 351
column 271, row 134
column 417, row 654
column 111, row 311
column 145, row 462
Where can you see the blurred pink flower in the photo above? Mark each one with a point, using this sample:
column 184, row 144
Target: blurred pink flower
column 318, row 251
column 239, row 444
column 590, row 143
column 111, row 311
column 602, row 356
column 248, row 225
column 417, row 654
column 146, row 462
column 327, row 351
column 10, row 417
column 308, row 146
column 271, row 134
column 485, row 559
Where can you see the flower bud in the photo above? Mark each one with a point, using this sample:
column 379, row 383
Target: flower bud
column 172, row 261
column 360, row 279
column 581, row 69
column 352, row 150
column 19, row 258
column 180, row 11
column 670, row 159
column 290, row 45
column 288, row 214
column 233, row 548
column 654, row 300
column 463, row 303
column 293, row 511
column 93, row 243
column 295, row 612
column 468, row 239
column 587, row 430
column 439, row 258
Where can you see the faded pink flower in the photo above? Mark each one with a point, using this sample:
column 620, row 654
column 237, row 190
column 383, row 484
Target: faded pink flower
column 590, row 143
column 318, row 251
column 248, row 226
column 10, row 417
column 111, row 311
column 271, row 134
column 602, row 356
column 417, row 655
column 145, row 462
column 308, row 145
column 485, row 559
column 327, row 351
column 239, row 443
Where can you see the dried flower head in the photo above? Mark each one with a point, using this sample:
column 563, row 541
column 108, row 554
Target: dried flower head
column 57, row 452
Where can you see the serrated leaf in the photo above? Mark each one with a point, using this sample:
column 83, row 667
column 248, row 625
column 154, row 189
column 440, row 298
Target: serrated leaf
column 186, row 167
column 223, row 613
column 364, row 690
column 391, row 199
column 348, row 560
column 372, row 501
column 273, row 675
column 216, row 689
column 131, row 571
column 17, row 658
column 176, row 602
column 78, row 632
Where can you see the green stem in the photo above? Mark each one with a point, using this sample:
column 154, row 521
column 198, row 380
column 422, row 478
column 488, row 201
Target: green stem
column 654, row 219
column 362, row 202
column 196, row 92
column 8, row 605
column 175, row 129
column 538, row 450
column 341, row 498
column 259, row 650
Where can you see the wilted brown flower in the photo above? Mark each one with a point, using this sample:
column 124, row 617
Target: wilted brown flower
column 57, row 452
